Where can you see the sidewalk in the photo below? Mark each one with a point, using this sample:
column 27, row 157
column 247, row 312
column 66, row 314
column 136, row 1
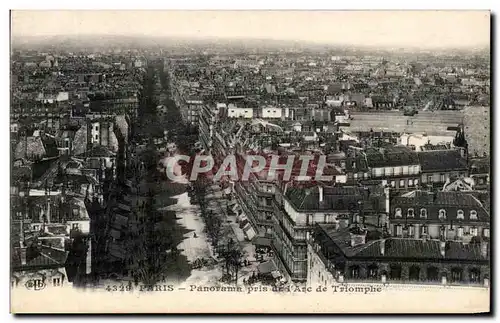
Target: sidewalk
column 245, row 246
column 189, row 217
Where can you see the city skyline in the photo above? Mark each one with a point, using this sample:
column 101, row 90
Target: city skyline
column 423, row 29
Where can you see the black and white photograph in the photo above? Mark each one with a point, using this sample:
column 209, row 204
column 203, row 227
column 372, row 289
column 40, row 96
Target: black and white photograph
column 270, row 161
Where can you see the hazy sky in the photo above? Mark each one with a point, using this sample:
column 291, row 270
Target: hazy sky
column 382, row 28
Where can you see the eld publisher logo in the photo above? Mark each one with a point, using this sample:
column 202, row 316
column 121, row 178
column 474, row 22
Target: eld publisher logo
column 35, row 284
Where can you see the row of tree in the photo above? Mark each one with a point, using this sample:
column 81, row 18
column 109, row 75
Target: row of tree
column 213, row 225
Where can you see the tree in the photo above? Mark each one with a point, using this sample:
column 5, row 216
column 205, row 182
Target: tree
column 232, row 258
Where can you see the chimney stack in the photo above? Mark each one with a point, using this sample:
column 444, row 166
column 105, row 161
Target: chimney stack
column 320, row 190
column 432, row 197
column 442, row 248
column 48, row 210
column 23, row 250
column 387, row 191
column 21, row 229
column 343, row 222
column 358, row 238
column 382, row 247
column 484, row 249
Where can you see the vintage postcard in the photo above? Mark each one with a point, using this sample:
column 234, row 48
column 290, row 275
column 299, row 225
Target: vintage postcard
column 250, row 161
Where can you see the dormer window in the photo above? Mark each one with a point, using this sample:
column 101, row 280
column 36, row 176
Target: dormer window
column 473, row 215
column 460, row 215
column 442, row 214
column 423, row 213
column 398, row 212
column 411, row 213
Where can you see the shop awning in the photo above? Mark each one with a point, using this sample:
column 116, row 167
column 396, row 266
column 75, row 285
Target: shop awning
column 123, row 207
column 267, row 267
column 261, row 241
column 115, row 233
column 242, row 216
column 249, row 231
column 276, row 274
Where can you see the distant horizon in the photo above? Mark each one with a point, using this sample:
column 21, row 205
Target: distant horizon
column 425, row 30
column 241, row 39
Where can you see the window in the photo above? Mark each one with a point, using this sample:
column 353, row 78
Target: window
column 411, row 230
column 354, row 272
column 399, row 230
column 75, row 226
column 486, row 233
column 398, row 212
column 96, row 128
column 442, row 232
column 397, row 170
column 410, row 182
column 423, row 213
column 460, row 214
column 473, row 231
column 442, row 214
column 432, row 273
column 474, row 275
column 414, row 273
column 402, row 183
column 473, row 215
column 424, row 230
column 56, row 281
column 395, row 271
column 411, row 213
column 442, row 176
column 456, row 275
column 96, row 137
column 393, row 183
column 372, row 271
column 429, row 178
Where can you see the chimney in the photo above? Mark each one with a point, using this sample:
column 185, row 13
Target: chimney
column 21, row 228
column 484, row 249
column 442, row 248
column 462, row 152
column 320, row 190
column 432, row 197
column 23, row 250
column 48, row 210
column 343, row 223
column 382, row 247
column 387, row 199
column 366, row 193
column 358, row 238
